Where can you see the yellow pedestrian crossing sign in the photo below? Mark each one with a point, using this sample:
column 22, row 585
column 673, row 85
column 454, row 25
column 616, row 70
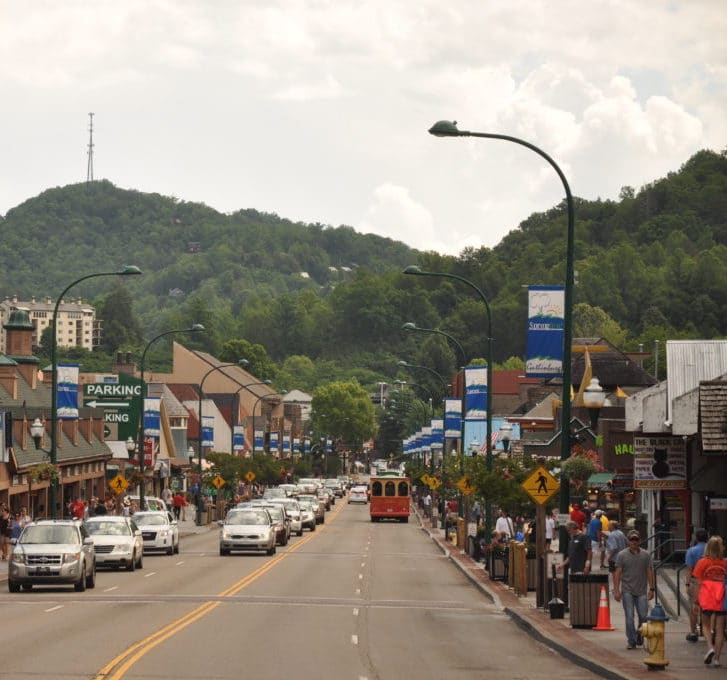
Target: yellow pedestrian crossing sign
column 218, row 482
column 250, row 476
column 541, row 485
column 118, row 484
column 465, row 486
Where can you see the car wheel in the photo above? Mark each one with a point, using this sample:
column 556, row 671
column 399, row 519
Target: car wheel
column 323, row 521
column 80, row 585
column 91, row 578
column 299, row 533
column 224, row 552
column 140, row 561
column 170, row 550
column 313, row 526
column 13, row 587
column 285, row 540
column 271, row 551
column 132, row 563
column 27, row 586
column 176, row 547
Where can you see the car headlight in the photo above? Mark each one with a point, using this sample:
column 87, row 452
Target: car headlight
column 164, row 533
column 71, row 557
column 225, row 533
column 18, row 557
column 120, row 548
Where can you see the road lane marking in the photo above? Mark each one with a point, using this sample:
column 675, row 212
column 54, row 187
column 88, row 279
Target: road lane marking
column 180, row 563
column 358, row 591
column 119, row 665
column 108, row 590
column 360, row 577
column 354, row 639
column 355, row 612
column 151, row 573
column 53, row 609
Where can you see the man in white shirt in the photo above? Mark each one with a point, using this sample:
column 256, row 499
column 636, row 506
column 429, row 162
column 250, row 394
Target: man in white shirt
column 505, row 526
column 549, row 530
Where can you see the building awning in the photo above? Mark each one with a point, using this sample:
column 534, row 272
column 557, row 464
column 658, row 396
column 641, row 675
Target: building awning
column 118, row 449
column 600, row 480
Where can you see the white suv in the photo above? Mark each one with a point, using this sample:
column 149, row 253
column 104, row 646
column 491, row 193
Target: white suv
column 50, row 552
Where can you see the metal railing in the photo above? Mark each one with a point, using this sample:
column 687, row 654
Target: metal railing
column 667, row 551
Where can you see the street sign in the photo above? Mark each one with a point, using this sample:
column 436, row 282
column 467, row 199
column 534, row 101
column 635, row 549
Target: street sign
column 541, row 485
column 218, row 482
column 118, row 484
column 465, row 486
column 434, row 483
column 121, row 401
column 250, row 476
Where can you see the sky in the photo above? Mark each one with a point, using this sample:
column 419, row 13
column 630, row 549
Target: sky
column 318, row 110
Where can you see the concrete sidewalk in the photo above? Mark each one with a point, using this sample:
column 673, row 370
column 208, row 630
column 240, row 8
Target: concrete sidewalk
column 602, row 652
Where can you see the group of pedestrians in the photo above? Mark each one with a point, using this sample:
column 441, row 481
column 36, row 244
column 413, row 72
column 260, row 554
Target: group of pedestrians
column 11, row 526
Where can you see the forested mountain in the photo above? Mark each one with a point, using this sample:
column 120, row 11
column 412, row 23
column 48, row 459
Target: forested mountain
column 652, row 265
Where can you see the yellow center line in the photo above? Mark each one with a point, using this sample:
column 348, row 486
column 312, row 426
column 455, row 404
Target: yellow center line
column 119, row 665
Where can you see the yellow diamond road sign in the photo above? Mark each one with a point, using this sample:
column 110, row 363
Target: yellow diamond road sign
column 541, row 485
column 218, row 482
column 250, row 476
column 465, row 486
column 118, row 484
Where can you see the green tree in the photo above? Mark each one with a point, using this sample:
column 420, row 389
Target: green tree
column 343, row 411
column 120, row 325
column 593, row 322
column 260, row 365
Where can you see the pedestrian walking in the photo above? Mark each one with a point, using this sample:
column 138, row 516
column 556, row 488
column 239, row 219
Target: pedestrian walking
column 615, row 543
column 549, row 530
column 711, row 571
column 579, row 550
column 633, row 586
column 427, row 501
column 504, row 526
column 692, row 556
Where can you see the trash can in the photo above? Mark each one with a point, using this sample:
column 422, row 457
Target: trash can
column 584, row 594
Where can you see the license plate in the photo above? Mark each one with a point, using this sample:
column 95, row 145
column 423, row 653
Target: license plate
column 40, row 570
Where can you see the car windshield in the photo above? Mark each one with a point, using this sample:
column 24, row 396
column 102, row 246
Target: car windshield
column 49, row 534
column 108, row 528
column 150, row 520
column 275, row 512
column 247, row 517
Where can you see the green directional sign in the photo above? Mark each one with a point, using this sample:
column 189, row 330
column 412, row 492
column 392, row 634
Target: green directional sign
column 121, row 402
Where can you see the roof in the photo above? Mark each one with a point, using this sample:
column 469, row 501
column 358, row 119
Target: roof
column 610, row 365
column 172, row 404
column 297, row 396
column 689, row 362
column 713, row 415
column 509, row 382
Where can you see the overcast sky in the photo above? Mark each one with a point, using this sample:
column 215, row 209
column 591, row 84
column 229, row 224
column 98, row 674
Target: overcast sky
column 318, row 110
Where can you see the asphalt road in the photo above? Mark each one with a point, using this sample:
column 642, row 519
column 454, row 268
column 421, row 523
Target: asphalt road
column 350, row 600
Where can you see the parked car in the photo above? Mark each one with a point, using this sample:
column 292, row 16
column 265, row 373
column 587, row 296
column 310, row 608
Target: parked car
column 50, row 552
column 336, row 486
column 250, row 529
column 292, row 510
column 274, row 492
column 281, row 522
column 326, row 496
column 358, row 494
column 151, row 503
column 117, row 541
column 307, row 515
column 319, row 507
column 159, row 531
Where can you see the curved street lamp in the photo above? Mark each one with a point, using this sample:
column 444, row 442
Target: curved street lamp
column 126, row 270
column 278, row 395
column 195, row 328
column 233, row 415
column 406, row 364
column 445, row 128
column 411, row 326
column 198, row 498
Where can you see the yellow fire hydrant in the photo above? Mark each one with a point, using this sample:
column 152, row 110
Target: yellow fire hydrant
column 653, row 631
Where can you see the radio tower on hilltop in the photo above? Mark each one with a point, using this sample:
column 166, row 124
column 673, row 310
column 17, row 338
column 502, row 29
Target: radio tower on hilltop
column 89, row 170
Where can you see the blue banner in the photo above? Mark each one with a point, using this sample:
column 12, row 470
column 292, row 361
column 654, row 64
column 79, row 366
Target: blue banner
column 67, row 391
column 476, row 394
column 296, row 445
column 286, row 445
column 306, row 445
column 329, row 446
column 259, row 440
column 238, row 438
column 452, row 418
column 274, row 443
column 546, row 330
column 152, row 416
column 208, row 432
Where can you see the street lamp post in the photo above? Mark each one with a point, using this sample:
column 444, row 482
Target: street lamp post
column 233, row 414
column 411, row 326
column 127, row 270
column 416, row 271
column 195, row 328
column 406, row 364
column 254, row 406
column 445, row 128
column 198, row 496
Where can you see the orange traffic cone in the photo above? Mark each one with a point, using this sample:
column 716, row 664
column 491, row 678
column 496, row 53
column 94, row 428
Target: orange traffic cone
column 604, row 613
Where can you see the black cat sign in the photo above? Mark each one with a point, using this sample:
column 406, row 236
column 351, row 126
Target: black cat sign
column 660, row 463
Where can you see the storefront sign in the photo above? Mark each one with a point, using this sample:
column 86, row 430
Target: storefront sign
column 660, row 463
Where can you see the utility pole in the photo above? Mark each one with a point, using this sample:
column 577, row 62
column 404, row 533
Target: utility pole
column 89, row 169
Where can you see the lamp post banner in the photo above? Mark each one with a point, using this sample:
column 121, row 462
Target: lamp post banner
column 67, row 392
column 546, row 331
column 274, row 443
column 452, row 418
column 152, row 416
column 475, row 393
column 4, row 457
column 259, row 440
column 238, row 438
column 296, row 445
column 286, row 444
column 208, row 432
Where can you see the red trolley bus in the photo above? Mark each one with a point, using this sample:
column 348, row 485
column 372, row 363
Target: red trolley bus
column 390, row 496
